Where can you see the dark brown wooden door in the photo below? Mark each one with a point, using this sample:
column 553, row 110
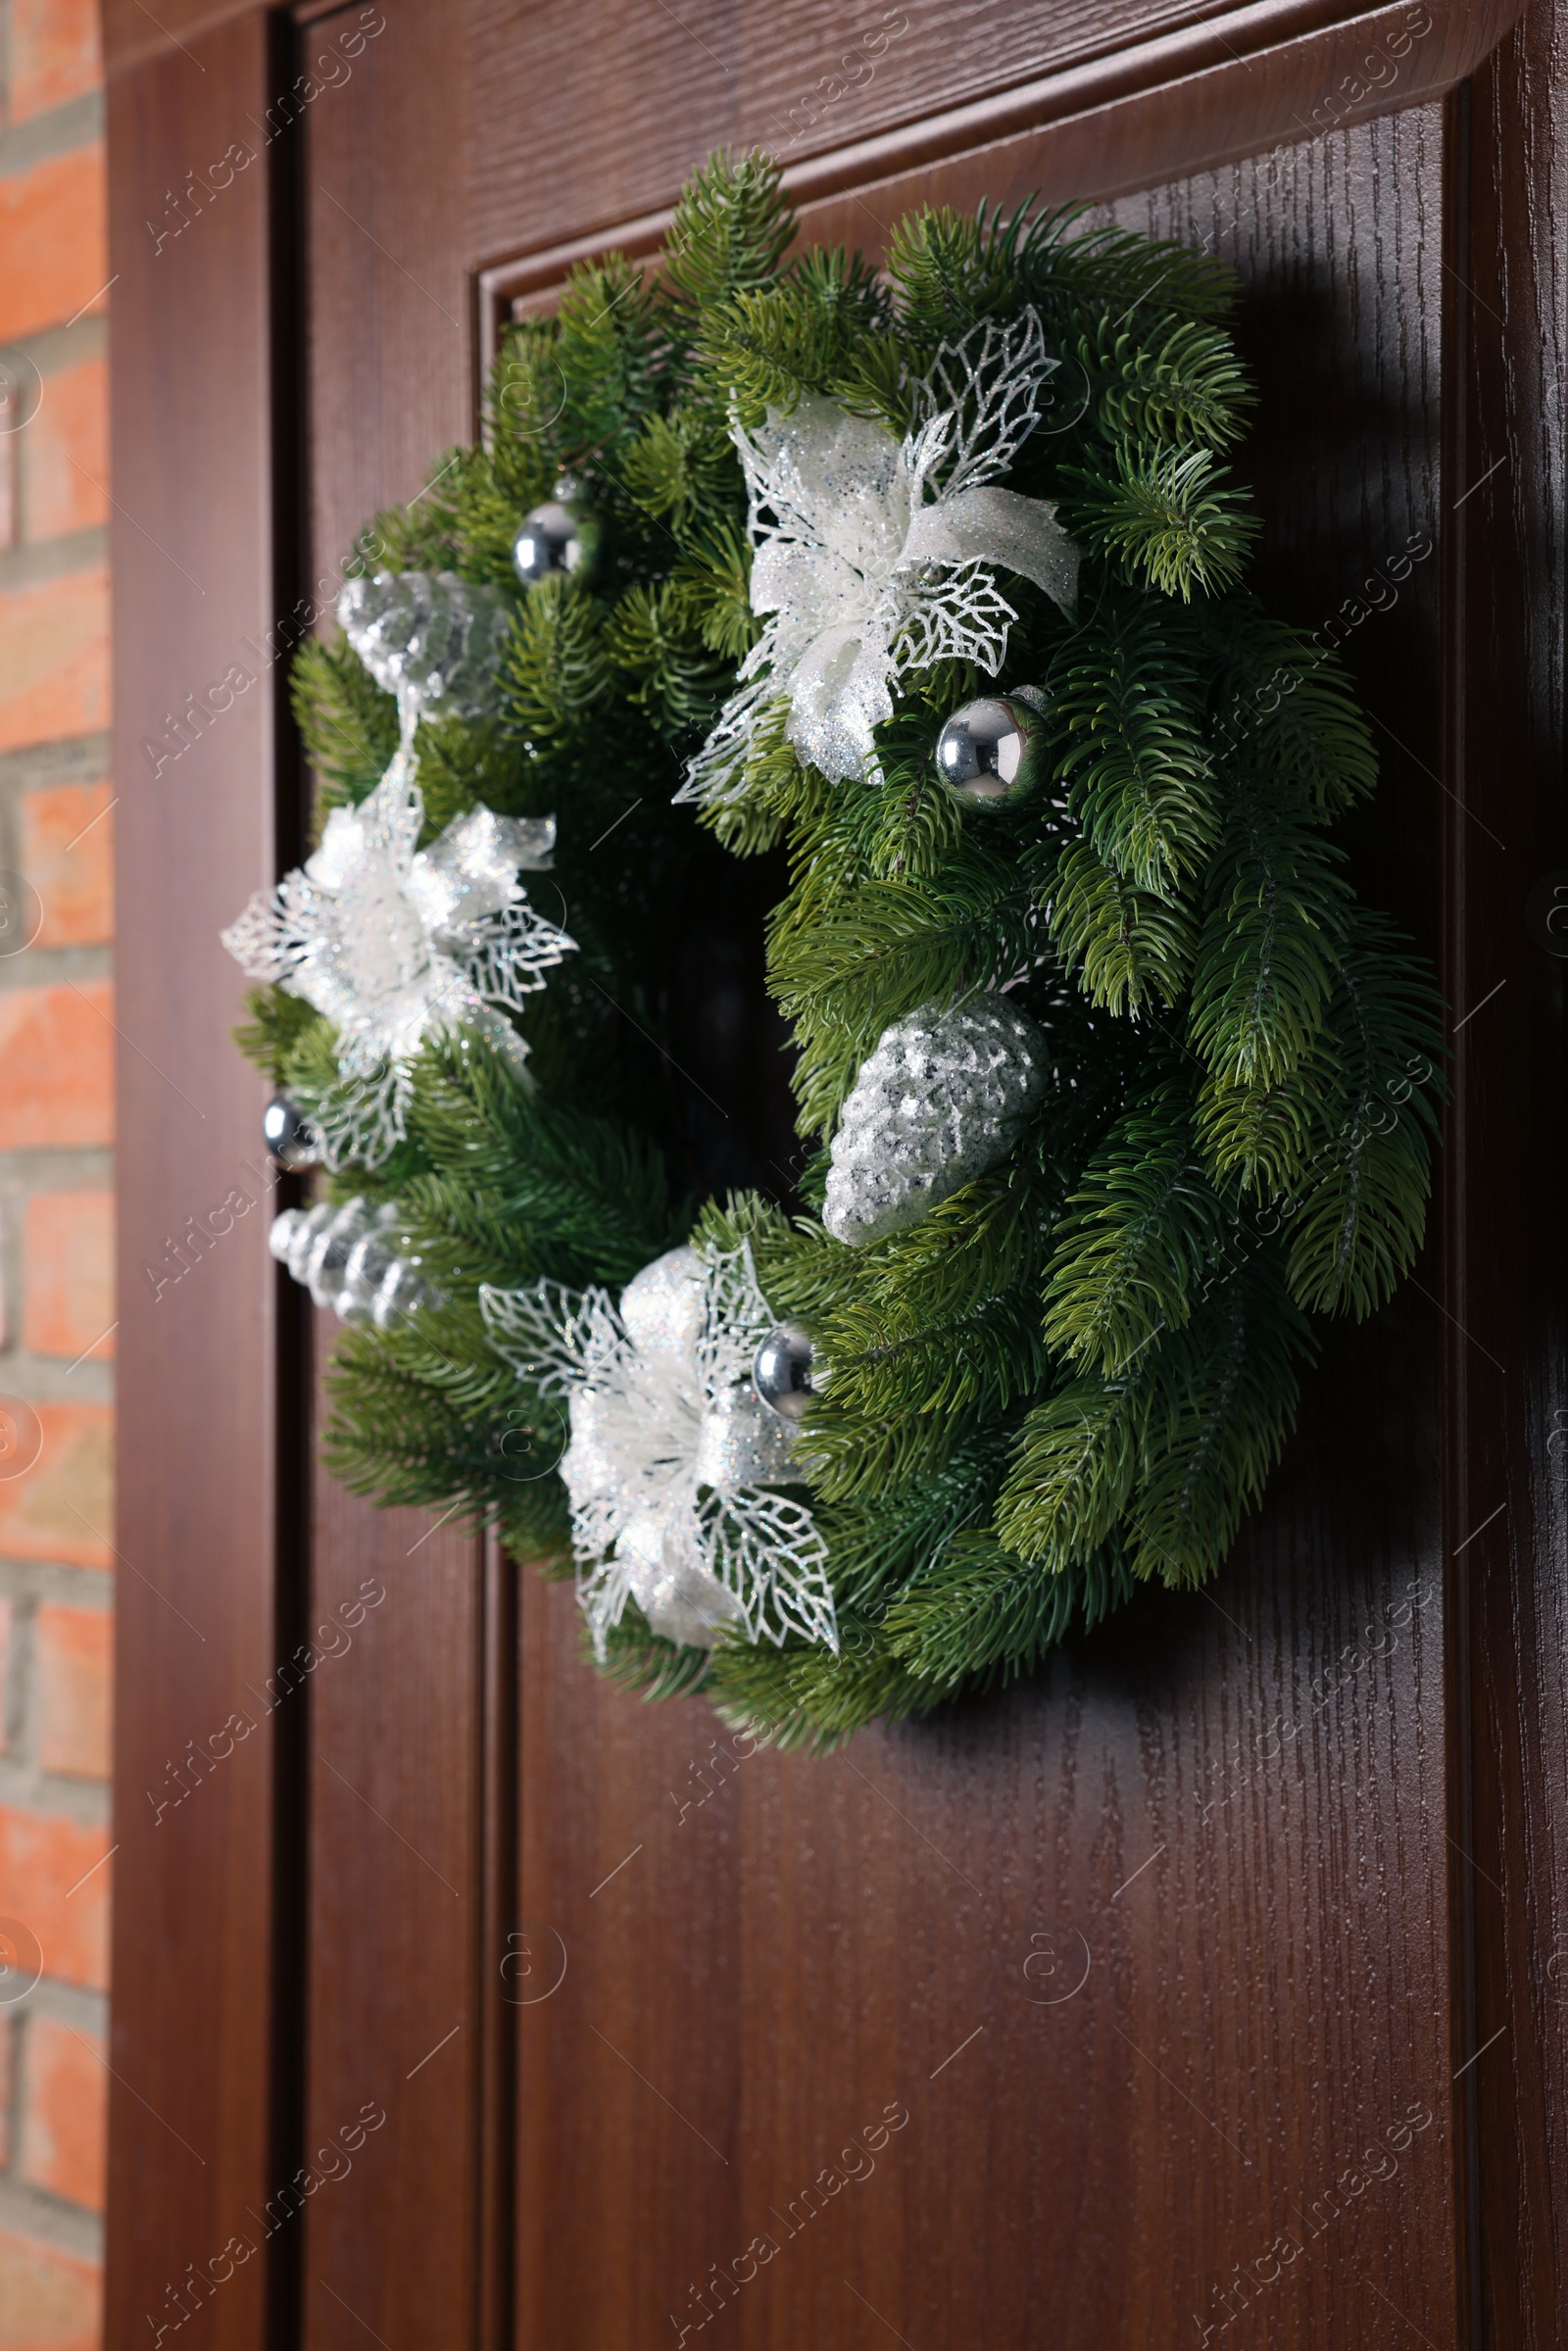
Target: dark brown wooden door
column 1205, row 1989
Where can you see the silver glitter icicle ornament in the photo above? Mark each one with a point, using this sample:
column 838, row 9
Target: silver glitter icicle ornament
column 346, row 1256
column 991, row 752
column 943, row 1097
column 288, row 1137
column 781, row 1371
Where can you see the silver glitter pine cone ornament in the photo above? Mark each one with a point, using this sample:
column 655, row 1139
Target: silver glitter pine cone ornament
column 943, row 1097
column 991, row 754
column 430, row 638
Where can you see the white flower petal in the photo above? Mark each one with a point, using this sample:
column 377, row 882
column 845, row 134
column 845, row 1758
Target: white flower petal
column 840, row 694
column 997, row 526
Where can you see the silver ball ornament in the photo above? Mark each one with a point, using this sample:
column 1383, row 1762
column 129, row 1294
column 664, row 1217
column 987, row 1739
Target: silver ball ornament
column 781, row 1371
column 287, row 1135
column 549, row 541
column 989, row 753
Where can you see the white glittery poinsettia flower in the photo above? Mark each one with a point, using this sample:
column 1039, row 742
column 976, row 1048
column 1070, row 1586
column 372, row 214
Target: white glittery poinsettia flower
column 396, row 944
column 672, row 1453
column 875, row 555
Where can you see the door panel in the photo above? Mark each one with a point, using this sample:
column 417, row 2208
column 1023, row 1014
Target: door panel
column 774, row 1963
column 1153, row 1995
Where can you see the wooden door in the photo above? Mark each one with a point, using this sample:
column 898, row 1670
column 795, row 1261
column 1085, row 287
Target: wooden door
column 1207, row 1988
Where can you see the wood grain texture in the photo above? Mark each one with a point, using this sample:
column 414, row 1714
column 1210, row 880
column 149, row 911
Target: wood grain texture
column 395, row 1915
column 506, row 1966
column 1508, row 1420
column 1230, row 1812
column 388, row 230
column 1127, row 116
column 200, row 1984
column 412, row 1741
column 728, row 76
column 413, row 1737
column 782, row 62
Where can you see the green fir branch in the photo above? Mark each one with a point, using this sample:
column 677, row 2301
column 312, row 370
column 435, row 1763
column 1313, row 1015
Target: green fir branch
column 1142, row 1228
column 1165, row 519
column 980, row 1616
column 1132, row 948
column 1074, row 1468
column 348, row 726
column 1268, row 951
column 1224, row 1403
column 768, row 347
column 733, row 228
column 273, row 1034
column 1134, row 764
column 1362, row 1203
column 1187, row 386
column 1260, row 1137
column 1286, row 710
column 654, row 637
column 559, row 670
column 1109, row 273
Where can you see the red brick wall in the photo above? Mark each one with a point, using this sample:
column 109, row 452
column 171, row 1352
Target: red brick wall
column 55, row 1130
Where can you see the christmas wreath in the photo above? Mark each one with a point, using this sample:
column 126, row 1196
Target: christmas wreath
column 930, row 578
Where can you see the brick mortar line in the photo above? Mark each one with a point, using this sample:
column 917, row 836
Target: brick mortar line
column 39, row 566
column 65, row 2004
column 79, row 959
column 51, row 966
column 27, row 2211
column 52, row 1796
column 36, row 1166
column 54, row 349
column 68, row 760
column 76, row 127
column 48, row 1380
column 77, row 1587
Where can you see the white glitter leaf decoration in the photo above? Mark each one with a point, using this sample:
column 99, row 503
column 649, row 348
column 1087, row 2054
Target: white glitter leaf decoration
column 672, row 1453
column 985, row 395
column 869, row 553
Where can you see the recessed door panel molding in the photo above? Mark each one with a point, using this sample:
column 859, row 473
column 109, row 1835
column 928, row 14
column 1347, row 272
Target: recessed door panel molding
column 1126, row 117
